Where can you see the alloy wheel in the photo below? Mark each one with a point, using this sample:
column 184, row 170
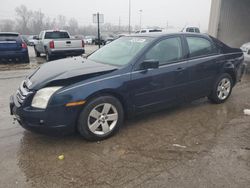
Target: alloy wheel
column 224, row 88
column 102, row 119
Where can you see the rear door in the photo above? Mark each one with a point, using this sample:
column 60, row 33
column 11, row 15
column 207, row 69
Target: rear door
column 10, row 42
column 165, row 85
column 204, row 61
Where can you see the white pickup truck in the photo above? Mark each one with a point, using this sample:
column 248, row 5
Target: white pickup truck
column 58, row 44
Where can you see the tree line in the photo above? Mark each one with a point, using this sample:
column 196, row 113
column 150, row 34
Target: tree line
column 28, row 22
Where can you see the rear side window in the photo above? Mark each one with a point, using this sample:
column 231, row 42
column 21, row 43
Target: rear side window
column 56, row 35
column 191, row 30
column 143, row 31
column 8, row 37
column 200, row 47
column 197, row 30
column 166, row 51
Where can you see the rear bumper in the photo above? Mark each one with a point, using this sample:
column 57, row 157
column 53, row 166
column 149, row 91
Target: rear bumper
column 13, row 55
column 64, row 53
column 247, row 61
column 52, row 121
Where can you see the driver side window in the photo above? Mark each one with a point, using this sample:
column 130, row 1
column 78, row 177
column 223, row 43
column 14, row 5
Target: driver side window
column 166, row 51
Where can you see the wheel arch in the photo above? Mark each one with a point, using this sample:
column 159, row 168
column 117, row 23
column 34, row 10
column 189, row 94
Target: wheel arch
column 108, row 92
column 229, row 68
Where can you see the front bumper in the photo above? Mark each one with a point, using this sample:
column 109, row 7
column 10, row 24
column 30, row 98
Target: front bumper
column 57, row 120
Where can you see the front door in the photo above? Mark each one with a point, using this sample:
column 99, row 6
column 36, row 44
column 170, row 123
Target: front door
column 164, row 85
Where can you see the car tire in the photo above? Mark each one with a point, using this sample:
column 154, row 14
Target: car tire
column 26, row 59
column 101, row 118
column 36, row 52
column 48, row 56
column 222, row 89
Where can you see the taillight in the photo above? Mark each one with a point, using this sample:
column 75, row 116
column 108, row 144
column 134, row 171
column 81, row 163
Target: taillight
column 83, row 43
column 51, row 44
column 24, row 45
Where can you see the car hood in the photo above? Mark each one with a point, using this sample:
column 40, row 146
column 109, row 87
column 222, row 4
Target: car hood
column 66, row 71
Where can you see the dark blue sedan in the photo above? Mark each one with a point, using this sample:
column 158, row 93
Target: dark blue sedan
column 131, row 75
column 13, row 48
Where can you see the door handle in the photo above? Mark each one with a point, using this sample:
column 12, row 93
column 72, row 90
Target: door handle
column 180, row 69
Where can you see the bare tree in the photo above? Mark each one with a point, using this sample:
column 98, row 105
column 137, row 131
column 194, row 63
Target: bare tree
column 32, row 22
column 23, row 19
column 61, row 21
column 73, row 26
column 37, row 22
column 7, row 25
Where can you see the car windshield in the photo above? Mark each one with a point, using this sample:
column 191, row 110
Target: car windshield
column 121, row 51
column 56, row 35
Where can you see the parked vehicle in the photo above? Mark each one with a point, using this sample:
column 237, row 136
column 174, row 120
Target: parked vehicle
column 149, row 31
column 246, row 50
column 131, row 75
column 25, row 39
column 104, row 39
column 58, row 44
column 13, row 48
column 32, row 40
column 89, row 39
column 79, row 37
column 191, row 30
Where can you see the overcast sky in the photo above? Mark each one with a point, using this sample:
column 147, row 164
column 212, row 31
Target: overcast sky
column 176, row 13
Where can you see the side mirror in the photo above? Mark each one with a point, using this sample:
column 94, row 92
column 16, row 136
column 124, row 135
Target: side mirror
column 150, row 64
column 35, row 38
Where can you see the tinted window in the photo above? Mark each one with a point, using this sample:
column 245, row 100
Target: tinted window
column 56, row 35
column 166, row 51
column 200, row 47
column 8, row 37
column 143, row 31
column 191, row 30
column 197, row 30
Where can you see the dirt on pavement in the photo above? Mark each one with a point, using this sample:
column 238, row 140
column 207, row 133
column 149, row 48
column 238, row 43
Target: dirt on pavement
column 194, row 145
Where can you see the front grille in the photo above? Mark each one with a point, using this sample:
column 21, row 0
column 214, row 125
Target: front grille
column 22, row 93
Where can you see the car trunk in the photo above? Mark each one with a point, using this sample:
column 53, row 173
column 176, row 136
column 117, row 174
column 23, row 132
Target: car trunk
column 9, row 42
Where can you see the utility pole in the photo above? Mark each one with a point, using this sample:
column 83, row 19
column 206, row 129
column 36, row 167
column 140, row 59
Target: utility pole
column 98, row 29
column 119, row 23
column 140, row 17
column 129, row 19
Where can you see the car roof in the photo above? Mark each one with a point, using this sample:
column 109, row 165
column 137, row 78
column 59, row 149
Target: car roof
column 9, row 33
column 55, row 30
column 159, row 35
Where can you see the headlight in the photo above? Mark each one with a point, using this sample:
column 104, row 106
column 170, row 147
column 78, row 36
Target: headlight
column 41, row 98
